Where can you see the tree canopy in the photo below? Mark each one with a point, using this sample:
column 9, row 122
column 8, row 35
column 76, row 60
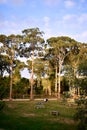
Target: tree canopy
column 51, row 63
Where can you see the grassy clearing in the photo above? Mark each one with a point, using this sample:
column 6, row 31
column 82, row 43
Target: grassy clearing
column 24, row 116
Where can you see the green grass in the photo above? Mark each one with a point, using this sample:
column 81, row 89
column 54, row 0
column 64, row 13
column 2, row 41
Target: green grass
column 24, row 116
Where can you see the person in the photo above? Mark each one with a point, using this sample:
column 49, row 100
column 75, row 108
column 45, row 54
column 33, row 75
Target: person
column 46, row 100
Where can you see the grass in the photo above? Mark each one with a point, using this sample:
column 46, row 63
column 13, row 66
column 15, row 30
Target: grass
column 22, row 115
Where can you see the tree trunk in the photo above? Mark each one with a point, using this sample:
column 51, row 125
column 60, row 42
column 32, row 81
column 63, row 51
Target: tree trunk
column 32, row 78
column 59, row 80
column 76, row 89
column 11, row 73
column 59, row 86
column 56, row 91
column 11, row 69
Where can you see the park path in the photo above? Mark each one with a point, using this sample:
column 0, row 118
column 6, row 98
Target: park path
column 37, row 99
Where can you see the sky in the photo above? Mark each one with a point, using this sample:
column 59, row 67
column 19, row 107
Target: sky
column 53, row 17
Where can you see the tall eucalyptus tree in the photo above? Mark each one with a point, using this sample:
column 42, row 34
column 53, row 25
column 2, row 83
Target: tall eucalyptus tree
column 59, row 50
column 76, row 58
column 32, row 44
column 11, row 50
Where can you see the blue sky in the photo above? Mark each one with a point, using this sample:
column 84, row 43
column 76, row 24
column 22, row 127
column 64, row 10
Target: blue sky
column 54, row 17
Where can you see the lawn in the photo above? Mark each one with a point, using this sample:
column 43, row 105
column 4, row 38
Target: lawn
column 24, row 115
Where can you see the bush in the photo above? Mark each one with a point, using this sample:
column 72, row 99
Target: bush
column 2, row 105
column 81, row 114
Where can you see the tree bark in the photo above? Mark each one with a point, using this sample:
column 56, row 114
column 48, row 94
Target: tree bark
column 56, row 90
column 32, row 78
column 11, row 69
column 11, row 74
column 59, row 85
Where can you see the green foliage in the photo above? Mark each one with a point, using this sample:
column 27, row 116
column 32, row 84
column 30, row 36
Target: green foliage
column 32, row 40
column 4, row 87
column 2, row 105
column 38, row 88
column 68, row 55
column 83, row 86
column 66, row 95
column 2, row 38
column 64, row 84
column 81, row 114
column 83, row 68
column 4, row 64
column 20, row 89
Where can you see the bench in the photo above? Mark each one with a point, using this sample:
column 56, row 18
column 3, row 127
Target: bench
column 54, row 113
column 39, row 105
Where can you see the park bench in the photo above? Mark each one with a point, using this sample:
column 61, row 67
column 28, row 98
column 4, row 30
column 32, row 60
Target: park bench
column 39, row 105
column 55, row 113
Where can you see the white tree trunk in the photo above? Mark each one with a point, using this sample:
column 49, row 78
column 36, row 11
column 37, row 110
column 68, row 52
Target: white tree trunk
column 32, row 78
column 56, row 91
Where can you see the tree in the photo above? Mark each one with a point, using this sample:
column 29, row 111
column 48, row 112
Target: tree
column 82, row 70
column 2, row 38
column 81, row 113
column 59, row 48
column 21, row 88
column 10, row 49
column 4, row 87
column 76, row 57
column 32, row 42
column 4, row 64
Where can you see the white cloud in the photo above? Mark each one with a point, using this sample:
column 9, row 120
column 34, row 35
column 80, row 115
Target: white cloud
column 74, row 21
column 72, row 25
column 74, row 18
column 69, row 22
column 69, row 17
column 16, row 25
column 69, row 3
column 9, row 27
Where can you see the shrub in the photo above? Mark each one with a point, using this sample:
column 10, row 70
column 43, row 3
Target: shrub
column 2, row 105
column 81, row 114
